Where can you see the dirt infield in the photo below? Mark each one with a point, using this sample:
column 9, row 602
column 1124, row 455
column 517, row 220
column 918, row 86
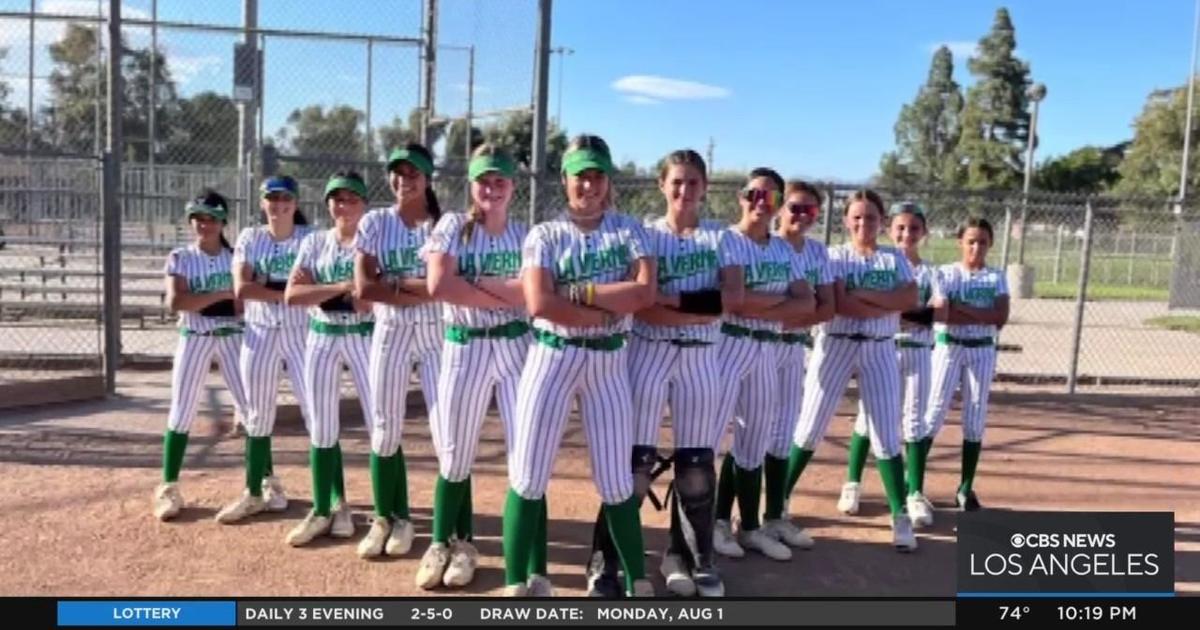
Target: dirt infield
column 76, row 481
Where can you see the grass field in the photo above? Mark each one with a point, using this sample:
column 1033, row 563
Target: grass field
column 1186, row 323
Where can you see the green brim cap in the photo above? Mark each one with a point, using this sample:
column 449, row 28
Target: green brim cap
column 412, row 157
column 215, row 212
column 580, row 160
column 345, row 183
column 484, row 164
column 902, row 207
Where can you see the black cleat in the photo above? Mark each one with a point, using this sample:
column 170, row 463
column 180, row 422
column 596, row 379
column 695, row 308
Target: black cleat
column 967, row 501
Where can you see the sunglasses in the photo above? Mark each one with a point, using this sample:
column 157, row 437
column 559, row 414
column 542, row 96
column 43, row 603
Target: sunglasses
column 804, row 208
column 761, row 195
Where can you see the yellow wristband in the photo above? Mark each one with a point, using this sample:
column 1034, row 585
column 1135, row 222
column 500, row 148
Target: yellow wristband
column 591, row 293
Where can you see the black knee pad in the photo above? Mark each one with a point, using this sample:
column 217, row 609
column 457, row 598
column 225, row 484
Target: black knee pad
column 644, row 459
column 695, row 477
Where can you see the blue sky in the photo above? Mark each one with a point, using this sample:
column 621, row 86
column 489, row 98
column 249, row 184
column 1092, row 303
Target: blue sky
column 811, row 88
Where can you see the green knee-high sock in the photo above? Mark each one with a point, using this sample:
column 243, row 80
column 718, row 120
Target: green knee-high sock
column 383, row 483
column 892, row 472
column 338, row 488
column 258, row 452
column 400, row 507
column 915, row 454
column 520, row 519
column 464, row 528
column 174, row 445
column 537, row 553
column 322, row 461
column 970, row 461
column 926, row 445
column 447, row 504
column 726, row 490
column 798, row 458
column 749, row 490
column 860, row 445
column 625, row 524
column 774, row 481
column 269, row 471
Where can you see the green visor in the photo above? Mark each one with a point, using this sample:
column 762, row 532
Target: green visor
column 216, row 212
column 484, row 164
column 580, row 160
column 906, row 207
column 412, row 157
column 346, row 183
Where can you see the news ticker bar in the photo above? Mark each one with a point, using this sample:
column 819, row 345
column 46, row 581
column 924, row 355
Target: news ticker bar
column 966, row 612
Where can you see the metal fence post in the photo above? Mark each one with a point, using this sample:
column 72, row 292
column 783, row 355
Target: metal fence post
column 112, row 204
column 541, row 71
column 1007, row 237
column 1085, row 260
column 1058, row 244
column 828, row 224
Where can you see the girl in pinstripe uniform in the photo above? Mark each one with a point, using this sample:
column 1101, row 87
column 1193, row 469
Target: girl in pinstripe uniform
column 474, row 267
column 389, row 272
column 339, row 335
column 200, row 289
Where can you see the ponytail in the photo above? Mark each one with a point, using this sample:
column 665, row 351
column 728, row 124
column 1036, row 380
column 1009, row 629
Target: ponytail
column 431, row 202
column 225, row 242
column 299, row 218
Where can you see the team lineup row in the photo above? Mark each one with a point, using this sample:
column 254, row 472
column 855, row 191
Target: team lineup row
column 712, row 322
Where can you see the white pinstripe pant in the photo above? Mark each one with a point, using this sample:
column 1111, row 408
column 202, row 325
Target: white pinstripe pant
column 914, row 379
column 395, row 347
column 686, row 378
column 550, row 380
column 264, row 350
column 833, row 362
column 324, row 356
column 749, row 379
column 193, row 360
column 974, row 368
column 791, row 394
column 468, row 375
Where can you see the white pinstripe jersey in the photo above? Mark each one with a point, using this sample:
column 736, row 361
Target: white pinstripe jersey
column 271, row 260
column 482, row 255
column 383, row 234
column 978, row 289
column 204, row 274
column 923, row 273
column 814, row 264
column 329, row 263
column 604, row 255
column 769, row 268
column 885, row 270
column 687, row 263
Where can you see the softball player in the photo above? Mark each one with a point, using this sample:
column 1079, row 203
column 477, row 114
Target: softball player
column 390, row 272
column 583, row 274
column 262, row 260
column 673, row 360
column 474, row 267
column 971, row 304
column 339, row 332
column 200, row 289
column 751, row 337
column 802, row 203
column 872, row 285
column 914, row 345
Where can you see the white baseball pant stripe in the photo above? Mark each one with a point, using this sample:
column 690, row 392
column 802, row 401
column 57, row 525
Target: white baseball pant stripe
column 469, row 374
column 834, row 361
column 749, row 380
column 791, row 394
column 686, row 378
column 915, row 376
column 193, row 360
column 324, row 357
column 973, row 368
column 265, row 350
column 550, row 380
column 395, row 348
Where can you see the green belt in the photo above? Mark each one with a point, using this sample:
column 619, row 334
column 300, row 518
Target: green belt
column 858, row 337
column 966, row 342
column 909, row 343
column 224, row 331
column 797, row 338
column 733, row 330
column 509, row 330
column 326, row 328
column 608, row 342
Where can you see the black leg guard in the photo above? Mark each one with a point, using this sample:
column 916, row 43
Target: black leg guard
column 692, row 506
column 604, row 562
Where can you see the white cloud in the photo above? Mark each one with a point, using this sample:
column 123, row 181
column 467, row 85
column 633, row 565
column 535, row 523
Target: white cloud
column 185, row 68
column 663, row 88
column 638, row 99
column 479, row 89
column 960, row 49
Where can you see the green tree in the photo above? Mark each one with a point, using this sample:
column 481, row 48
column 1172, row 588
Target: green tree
column 514, row 133
column 995, row 120
column 1151, row 164
column 456, row 141
column 327, row 139
column 205, row 131
column 139, row 66
column 394, row 134
column 12, row 120
column 927, row 132
column 1085, row 170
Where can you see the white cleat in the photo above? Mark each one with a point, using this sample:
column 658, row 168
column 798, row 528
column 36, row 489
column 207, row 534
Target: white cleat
column 678, row 580
column 372, row 544
column 723, row 541
column 343, row 522
column 401, row 540
column 515, row 590
column 312, row 526
column 788, row 533
column 919, row 510
column 539, row 586
column 167, row 501
column 759, row 541
column 433, row 566
column 464, row 559
column 273, row 494
column 903, row 537
column 246, row 505
column 848, row 502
